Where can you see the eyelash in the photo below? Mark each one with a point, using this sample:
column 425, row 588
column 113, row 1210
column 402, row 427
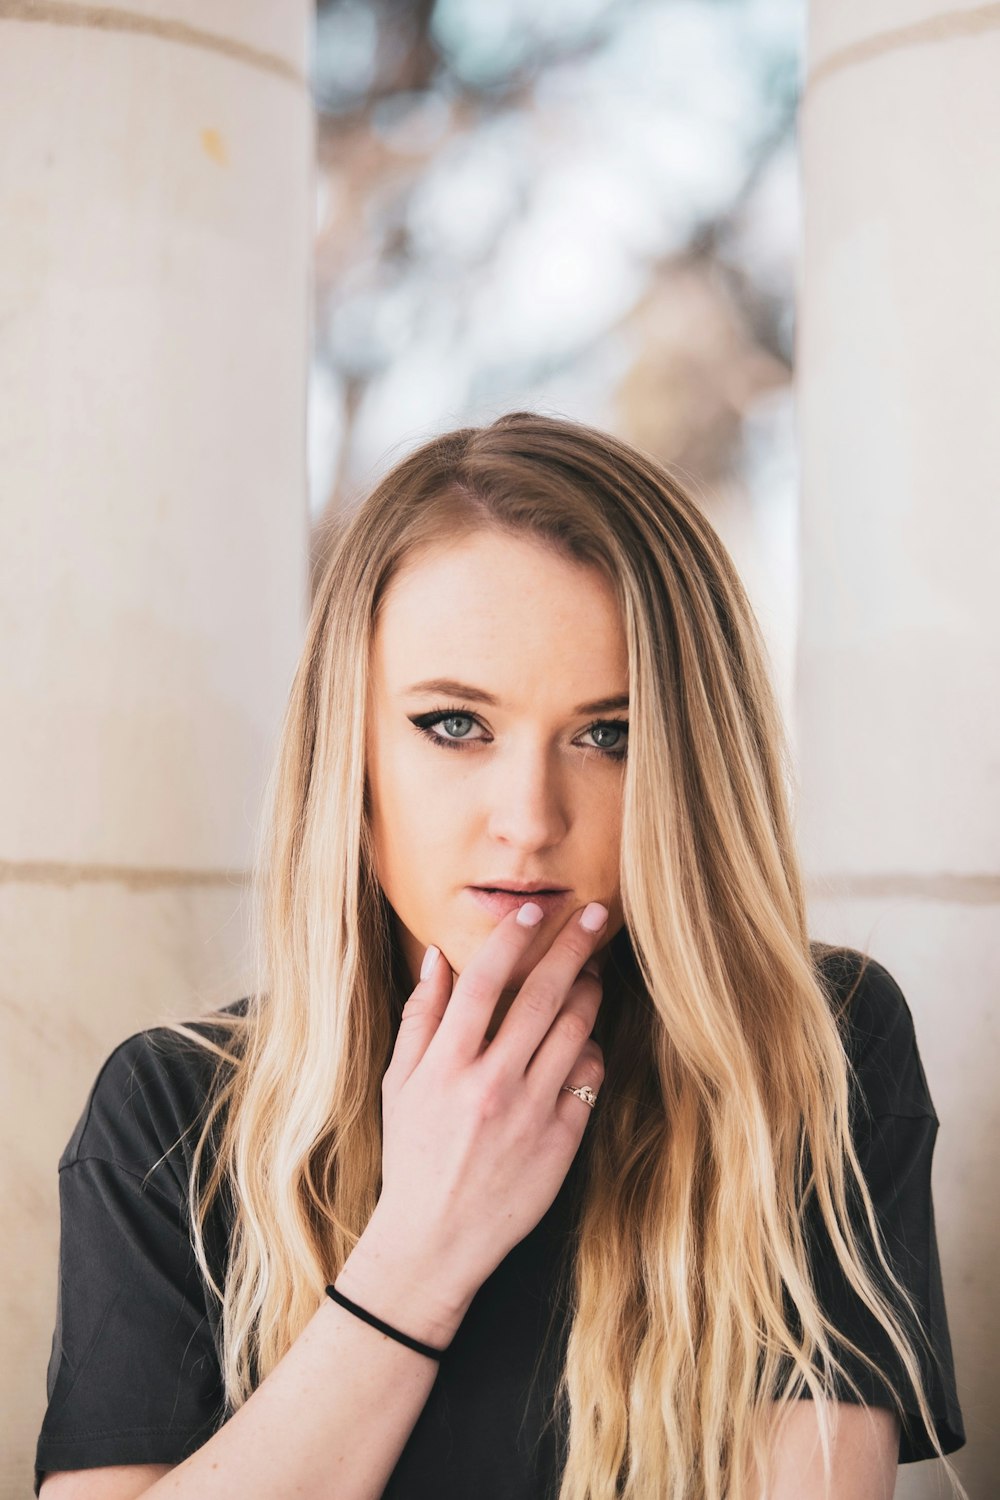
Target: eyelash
column 424, row 723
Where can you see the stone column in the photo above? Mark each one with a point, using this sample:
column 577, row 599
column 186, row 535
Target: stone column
column 898, row 713
column 155, row 198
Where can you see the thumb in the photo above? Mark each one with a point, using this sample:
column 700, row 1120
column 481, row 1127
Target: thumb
column 421, row 1016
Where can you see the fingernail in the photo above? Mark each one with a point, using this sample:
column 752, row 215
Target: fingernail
column 430, row 959
column 530, row 914
column 591, row 967
column 594, row 916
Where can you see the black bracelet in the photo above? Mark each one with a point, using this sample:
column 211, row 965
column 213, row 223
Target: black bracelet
column 394, row 1333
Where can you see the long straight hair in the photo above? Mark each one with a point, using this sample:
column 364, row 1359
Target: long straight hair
column 694, row 1324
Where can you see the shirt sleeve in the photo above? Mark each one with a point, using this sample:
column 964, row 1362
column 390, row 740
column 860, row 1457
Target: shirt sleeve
column 894, row 1129
column 133, row 1375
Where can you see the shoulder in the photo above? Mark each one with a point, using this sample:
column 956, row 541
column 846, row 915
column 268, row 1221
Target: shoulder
column 878, row 1031
column 150, row 1096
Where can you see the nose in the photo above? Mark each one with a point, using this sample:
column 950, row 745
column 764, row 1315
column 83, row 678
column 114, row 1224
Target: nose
column 527, row 806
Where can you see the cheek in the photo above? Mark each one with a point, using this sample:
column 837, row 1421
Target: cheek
column 414, row 838
column 606, row 837
column 610, row 872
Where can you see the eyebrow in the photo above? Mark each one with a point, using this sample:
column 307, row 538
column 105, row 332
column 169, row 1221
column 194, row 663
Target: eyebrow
column 479, row 695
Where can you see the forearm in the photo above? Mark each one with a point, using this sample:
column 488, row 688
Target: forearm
column 331, row 1419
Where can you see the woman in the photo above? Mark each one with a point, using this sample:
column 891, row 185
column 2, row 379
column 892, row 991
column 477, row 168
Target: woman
column 530, row 665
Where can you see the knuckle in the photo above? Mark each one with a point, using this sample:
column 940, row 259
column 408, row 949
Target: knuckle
column 588, row 977
column 510, row 940
column 478, row 989
column 490, row 1097
column 587, row 994
column 410, row 1018
column 579, row 943
column 573, row 1026
column 592, row 1058
column 541, row 996
column 595, row 1055
column 594, row 1073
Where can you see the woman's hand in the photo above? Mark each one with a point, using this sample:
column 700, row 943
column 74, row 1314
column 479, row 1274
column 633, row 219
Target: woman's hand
column 478, row 1136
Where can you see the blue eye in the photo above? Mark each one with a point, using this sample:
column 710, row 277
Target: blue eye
column 425, row 723
column 617, row 727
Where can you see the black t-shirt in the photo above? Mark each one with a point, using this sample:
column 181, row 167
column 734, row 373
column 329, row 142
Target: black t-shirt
column 134, row 1372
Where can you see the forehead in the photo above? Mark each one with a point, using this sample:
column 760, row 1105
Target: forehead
column 502, row 605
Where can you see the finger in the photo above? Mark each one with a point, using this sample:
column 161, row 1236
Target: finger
column 587, row 1071
column 567, row 1038
column 422, row 1015
column 478, row 987
column 544, row 992
column 599, row 958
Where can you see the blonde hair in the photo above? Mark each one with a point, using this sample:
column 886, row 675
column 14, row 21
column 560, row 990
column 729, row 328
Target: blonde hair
column 694, row 1323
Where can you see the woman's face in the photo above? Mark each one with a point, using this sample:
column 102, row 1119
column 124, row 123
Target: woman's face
column 523, row 788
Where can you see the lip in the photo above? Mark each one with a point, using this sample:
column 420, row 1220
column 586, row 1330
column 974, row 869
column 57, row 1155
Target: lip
column 528, row 888
column 501, row 902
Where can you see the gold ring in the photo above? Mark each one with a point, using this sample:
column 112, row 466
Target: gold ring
column 585, row 1092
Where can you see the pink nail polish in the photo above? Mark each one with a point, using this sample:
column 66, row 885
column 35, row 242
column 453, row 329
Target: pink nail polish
column 430, row 959
column 529, row 915
column 594, row 916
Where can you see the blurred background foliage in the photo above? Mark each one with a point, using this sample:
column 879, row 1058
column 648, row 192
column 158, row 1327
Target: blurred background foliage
column 578, row 206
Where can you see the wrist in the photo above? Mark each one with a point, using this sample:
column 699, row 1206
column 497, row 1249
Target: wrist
column 412, row 1293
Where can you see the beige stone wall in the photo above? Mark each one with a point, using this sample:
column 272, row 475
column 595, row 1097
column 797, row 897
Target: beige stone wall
column 154, row 273
column 897, row 717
